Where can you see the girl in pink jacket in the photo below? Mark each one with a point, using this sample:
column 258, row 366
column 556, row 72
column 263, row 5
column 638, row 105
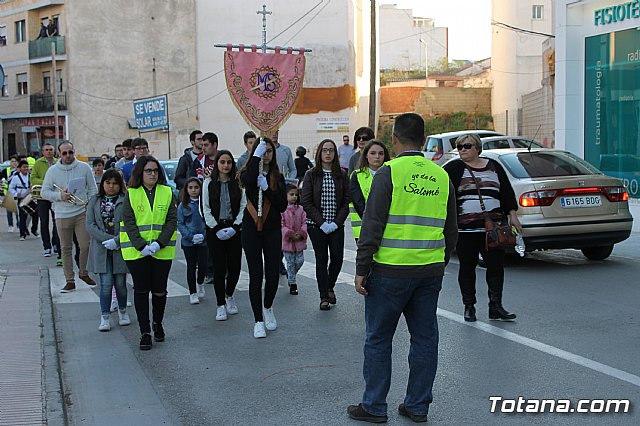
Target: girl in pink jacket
column 294, row 236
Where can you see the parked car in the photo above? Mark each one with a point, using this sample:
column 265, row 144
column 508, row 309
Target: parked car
column 498, row 142
column 170, row 167
column 565, row 202
column 438, row 145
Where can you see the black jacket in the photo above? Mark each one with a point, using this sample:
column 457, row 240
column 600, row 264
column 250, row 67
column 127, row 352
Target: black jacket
column 312, row 194
column 277, row 196
column 183, row 171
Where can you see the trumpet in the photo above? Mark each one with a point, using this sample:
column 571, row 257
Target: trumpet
column 75, row 200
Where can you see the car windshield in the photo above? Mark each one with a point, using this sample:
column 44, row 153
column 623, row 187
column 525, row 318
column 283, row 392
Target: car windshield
column 433, row 145
column 546, row 164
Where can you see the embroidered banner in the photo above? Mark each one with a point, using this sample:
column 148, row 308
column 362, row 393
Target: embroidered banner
column 265, row 87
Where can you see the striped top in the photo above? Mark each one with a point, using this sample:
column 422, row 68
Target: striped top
column 470, row 217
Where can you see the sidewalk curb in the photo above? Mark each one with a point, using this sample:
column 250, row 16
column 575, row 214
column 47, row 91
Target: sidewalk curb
column 53, row 392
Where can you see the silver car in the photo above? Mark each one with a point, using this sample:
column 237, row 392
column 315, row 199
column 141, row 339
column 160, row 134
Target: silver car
column 437, row 146
column 565, row 202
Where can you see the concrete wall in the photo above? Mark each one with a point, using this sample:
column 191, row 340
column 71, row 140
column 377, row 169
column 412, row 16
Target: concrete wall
column 336, row 82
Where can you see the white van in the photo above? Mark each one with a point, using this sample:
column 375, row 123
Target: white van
column 438, row 145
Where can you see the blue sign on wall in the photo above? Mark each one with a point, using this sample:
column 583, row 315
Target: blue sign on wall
column 151, row 113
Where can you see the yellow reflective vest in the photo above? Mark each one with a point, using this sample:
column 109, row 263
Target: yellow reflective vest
column 414, row 233
column 150, row 222
column 365, row 178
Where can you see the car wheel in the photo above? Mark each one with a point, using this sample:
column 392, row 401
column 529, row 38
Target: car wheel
column 597, row 253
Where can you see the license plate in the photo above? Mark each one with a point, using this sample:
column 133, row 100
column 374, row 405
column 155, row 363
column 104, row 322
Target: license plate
column 582, row 201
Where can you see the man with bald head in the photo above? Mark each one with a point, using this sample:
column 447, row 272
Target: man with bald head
column 66, row 178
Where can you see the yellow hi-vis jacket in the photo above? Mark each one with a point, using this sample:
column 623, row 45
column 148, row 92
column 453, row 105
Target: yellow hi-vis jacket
column 150, row 222
column 414, row 233
column 365, row 178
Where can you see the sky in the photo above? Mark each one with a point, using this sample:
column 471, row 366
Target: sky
column 469, row 23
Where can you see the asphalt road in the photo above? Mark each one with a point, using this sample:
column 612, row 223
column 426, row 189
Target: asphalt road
column 576, row 337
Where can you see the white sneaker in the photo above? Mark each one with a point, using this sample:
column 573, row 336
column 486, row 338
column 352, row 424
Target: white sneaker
column 114, row 305
column 232, row 308
column 258, row 330
column 200, row 291
column 221, row 313
column 129, row 304
column 22, row 238
column 269, row 319
column 193, row 299
column 105, row 324
column 10, row 229
column 124, row 317
column 47, row 253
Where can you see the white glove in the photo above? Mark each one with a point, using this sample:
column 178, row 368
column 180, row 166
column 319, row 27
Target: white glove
column 326, row 227
column 333, row 227
column 197, row 239
column 110, row 244
column 262, row 182
column 230, row 232
column 222, row 235
column 146, row 251
column 154, row 247
column 261, row 149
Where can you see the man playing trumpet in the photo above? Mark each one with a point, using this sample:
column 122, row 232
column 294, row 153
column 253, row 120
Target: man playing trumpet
column 45, row 209
column 70, row 207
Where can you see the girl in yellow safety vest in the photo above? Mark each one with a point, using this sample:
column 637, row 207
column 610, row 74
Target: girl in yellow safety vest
column 374, row 155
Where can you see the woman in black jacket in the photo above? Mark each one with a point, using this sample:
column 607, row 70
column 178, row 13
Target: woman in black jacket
column 470, row 174
column 261, row 235
column 325, row 199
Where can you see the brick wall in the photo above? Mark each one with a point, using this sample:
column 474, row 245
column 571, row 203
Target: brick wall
column 431, row 101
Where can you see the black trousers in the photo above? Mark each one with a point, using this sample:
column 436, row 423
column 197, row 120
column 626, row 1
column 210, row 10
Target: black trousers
column 196, row 257
column 468, row 247
column 22, row 221
column 48, row 239
column 327, row 247
column 149, row 275
column 226, row 264
column 256, row 244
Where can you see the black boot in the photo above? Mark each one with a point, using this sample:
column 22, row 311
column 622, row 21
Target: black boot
column 498, row 313
column 469, row 313
column 158, row 332
column 145, row 342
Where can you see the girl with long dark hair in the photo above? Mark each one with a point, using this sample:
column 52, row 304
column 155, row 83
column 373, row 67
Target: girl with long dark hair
column 223, row 207
column 261, row 234
column 325, row 198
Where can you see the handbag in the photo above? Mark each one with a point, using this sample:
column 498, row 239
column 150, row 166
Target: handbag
column 497, row 235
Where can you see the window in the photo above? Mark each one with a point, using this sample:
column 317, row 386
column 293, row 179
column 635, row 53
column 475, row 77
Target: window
column 5, row 89
column 46, row 81
column 537, row 11
column 21, row 31
column 3, row 35
column 22, row 84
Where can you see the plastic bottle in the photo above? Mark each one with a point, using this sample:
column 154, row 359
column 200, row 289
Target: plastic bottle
column 519, row 247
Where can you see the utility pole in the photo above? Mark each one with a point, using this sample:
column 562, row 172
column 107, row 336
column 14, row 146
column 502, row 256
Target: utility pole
column 374, row 66
column 54, row 91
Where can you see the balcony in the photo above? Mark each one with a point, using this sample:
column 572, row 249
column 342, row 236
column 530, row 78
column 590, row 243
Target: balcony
column 42, row 48
column 43, row 102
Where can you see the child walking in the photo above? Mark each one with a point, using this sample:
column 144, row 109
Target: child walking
column 294, row 236
column 104, row 214
column 192, row 228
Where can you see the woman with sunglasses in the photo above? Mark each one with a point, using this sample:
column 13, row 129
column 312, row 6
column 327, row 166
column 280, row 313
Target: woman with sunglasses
column 374, row 155
column 470, row 176
column 148, row 243
column 325, row 198
column 360, row 139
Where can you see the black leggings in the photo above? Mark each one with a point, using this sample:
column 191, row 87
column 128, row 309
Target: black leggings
column 149, row 275
column 196, row 257
column 468, row 247
column 327, row 246
column 256, row 244
column 227, row 261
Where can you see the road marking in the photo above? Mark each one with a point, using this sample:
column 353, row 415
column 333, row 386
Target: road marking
column 543, row 347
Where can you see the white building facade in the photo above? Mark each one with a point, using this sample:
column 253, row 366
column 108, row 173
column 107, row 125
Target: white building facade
column 597, row 97
column 335, row 95
column 519, row 28
column 408, row 42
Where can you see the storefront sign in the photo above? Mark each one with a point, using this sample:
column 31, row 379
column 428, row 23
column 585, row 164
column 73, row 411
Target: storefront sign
column 617, row 13
column 151, row 113
column 43, row 121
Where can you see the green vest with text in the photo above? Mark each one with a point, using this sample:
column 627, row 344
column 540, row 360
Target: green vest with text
column 365, row 178
column 150, row 222
column 414, row 233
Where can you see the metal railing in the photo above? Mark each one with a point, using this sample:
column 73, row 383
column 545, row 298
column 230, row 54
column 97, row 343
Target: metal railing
column 42, row 47
column 43, row 102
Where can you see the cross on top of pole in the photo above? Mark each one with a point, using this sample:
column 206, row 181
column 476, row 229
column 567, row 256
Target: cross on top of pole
column 264, row 14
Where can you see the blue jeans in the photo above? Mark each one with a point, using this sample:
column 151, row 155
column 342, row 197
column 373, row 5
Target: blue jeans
column 10, row 218
column 107, row 281
column 388, row 298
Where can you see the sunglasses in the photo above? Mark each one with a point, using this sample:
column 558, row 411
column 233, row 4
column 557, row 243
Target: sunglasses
column 67, row 152
column 363, row 138
column 464, row 145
